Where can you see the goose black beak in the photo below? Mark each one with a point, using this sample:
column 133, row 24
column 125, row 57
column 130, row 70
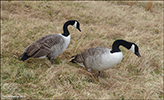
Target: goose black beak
column 79, row 29
column 138, row 54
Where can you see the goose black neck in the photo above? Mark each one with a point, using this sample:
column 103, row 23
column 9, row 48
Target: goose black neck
column 65, row 27
column 117, row 43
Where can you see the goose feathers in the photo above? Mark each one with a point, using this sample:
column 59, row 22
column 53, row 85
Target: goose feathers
column 98, row 58
column 101, row 58
column 52, row 45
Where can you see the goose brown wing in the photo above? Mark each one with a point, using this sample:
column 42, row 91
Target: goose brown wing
column 92, row 52
column 42, row 47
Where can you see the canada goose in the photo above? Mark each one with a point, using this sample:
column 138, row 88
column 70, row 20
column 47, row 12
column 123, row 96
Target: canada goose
column 51, row 45
column 101, row 58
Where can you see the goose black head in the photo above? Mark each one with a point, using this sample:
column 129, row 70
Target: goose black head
column 76, row 24
column 134, row 48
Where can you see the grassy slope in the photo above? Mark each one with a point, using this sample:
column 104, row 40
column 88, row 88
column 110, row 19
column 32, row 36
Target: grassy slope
column 101, row 24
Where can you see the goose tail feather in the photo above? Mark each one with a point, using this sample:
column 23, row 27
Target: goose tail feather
column 24, row 56
column 73, row 59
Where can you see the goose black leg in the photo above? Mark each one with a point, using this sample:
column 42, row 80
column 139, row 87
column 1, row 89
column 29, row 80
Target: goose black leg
column 99, row 73
column 52, row 61
column 49, row 58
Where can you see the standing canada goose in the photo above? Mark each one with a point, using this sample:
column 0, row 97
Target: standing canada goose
column 51, row 45
column 101, row 58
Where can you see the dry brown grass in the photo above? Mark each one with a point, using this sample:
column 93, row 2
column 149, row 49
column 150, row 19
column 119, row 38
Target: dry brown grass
column 102, row 22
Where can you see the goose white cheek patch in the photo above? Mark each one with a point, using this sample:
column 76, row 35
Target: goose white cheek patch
column 75, row 24
column 132, row 49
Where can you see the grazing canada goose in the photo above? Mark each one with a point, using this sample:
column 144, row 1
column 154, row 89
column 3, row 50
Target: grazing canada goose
column 51, row 45
column 101, row 58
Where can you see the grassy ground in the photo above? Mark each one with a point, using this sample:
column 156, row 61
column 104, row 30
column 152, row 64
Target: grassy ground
column 102, row 22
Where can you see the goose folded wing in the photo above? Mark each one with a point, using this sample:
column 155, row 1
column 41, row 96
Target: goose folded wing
column 43, row 46
column 91, row 53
